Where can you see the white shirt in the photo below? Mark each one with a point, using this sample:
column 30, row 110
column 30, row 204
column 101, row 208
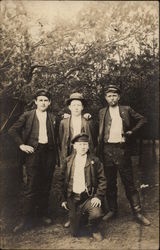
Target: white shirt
column 79, row 176
column 42, row 117
column 116, row 129
column 77, row 124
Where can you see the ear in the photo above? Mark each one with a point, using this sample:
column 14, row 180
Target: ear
column 119, row 97
column 74, row 146
column 69, row 107
column 35, row 101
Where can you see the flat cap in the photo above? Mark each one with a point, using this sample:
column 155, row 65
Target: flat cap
column 76, row 96
column 42, row 92
column 112, row 88
column 82, row 137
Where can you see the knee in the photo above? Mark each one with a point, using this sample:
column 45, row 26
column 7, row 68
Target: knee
column 95, row 214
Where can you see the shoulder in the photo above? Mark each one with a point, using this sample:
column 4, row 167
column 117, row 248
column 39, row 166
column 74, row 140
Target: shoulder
column 101, row 111
column 28, row 113
column 53, row 117
column 65, row 120
column 124, row 107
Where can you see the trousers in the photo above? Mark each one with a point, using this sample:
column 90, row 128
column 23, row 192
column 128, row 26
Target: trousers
column 117, row 158
column 80, row 208
column 39, row 169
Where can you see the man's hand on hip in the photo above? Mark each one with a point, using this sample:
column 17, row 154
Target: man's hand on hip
column 26, row 148
column 64, row 205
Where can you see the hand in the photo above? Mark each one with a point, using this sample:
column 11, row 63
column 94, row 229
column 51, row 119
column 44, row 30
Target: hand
column 64, row 205
column 66, row 115
column 95, row 202
column 87, row 116
column 129, row 133
column 26, row 148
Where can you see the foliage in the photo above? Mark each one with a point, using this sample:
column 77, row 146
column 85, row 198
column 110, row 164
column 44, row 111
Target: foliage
column 108, row 42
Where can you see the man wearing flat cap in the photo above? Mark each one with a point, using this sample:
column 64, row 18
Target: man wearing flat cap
column 34, row 134
column 83, row 186
column 75, row 124
column 115, row 131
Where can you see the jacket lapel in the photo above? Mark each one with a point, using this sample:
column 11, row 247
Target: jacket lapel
column 67, row 126
column 70, row 164
column 29, row 123
column 101, row 122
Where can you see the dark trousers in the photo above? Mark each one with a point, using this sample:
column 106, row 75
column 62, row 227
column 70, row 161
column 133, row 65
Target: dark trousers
column 117, row 158
column 78, row 209
column 39, row 168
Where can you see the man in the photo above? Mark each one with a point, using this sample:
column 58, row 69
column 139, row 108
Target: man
column 83, row 186
column 114, row 134
column 73, row 125
column 34, row 134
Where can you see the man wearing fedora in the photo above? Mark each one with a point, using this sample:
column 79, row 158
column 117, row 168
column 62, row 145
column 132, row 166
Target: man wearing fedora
column 75, row 124
column 115, row 131
column 82, row 187
column 34, row 134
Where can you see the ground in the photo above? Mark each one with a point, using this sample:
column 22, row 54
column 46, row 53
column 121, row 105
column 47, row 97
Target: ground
column 120, row 233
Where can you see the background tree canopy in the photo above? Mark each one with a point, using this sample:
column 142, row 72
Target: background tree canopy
column 102, row 43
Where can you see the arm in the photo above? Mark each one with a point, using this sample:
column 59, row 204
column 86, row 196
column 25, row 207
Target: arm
column 140, row 120
column 61, row 183
column 101, row 180
column 61, row 131
column 16, row 130
column 16, row 133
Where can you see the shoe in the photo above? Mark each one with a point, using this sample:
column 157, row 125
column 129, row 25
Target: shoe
column 109, row 215
column 22, row 226
column 67, row 224
column 97, row 236
column 46, row 221
column 19, row 228
column 142, row 220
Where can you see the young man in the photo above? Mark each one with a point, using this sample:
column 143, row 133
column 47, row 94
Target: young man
column 83, row 186
column 73, row 125
column 114, row 132
column 34, row 134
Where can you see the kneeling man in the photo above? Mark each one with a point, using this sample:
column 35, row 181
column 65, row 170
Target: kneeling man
column 83, row 186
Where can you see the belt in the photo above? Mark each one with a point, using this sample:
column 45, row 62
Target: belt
column 80, row 197
column 115, row 144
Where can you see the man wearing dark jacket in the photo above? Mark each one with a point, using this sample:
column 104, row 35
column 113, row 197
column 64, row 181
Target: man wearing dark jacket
column 74, row 124
column 113, row 142
column 83, row 186
column 34, row 134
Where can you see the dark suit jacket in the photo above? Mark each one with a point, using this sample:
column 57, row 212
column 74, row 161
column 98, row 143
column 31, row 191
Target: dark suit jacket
column 127, row 114
column 21, row 130
column 64, row 135
column 94, row 177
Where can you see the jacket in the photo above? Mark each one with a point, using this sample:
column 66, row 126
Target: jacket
column 64, row 135
column 21, row 130
column 127, row 114
column 94, row 177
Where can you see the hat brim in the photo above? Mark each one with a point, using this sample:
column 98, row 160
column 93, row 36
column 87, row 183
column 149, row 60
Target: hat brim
column 68, row 101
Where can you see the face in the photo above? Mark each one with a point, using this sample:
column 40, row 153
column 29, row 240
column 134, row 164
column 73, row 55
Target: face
column 42, row 103
column 76, row 107
column 81, row 147
column 112, row 98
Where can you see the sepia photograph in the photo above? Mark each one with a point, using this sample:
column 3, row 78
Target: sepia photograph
column 79, row 125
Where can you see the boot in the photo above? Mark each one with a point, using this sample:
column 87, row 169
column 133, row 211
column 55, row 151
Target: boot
column 110, row 215
column 136, row 207
column 140, row 218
